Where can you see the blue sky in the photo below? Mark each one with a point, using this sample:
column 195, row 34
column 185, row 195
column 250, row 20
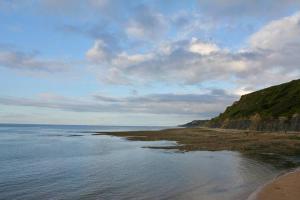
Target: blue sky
column 146, row 62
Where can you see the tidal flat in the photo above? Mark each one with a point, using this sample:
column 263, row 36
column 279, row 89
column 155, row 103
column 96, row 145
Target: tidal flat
column 281, row 149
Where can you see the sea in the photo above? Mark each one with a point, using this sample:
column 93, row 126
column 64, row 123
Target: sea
column 69, row 162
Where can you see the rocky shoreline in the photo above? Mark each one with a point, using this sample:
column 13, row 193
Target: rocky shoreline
column 271, row 147
column 275, row 148
column 257, row 123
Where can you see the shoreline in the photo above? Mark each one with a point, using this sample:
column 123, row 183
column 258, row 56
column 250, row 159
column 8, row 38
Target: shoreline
column 275, row 148
column 285, row 186
column 278, row 149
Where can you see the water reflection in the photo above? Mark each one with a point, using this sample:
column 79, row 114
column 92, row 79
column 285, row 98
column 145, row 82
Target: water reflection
column 104, row 167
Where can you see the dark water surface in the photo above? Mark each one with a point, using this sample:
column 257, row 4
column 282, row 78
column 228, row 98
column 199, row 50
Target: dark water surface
column 67, row 162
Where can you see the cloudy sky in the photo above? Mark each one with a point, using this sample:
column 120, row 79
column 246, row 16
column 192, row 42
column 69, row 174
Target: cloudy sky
column 140, row 62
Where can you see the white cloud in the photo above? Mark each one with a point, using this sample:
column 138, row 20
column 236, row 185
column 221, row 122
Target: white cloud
column 146, row 24
column 136, row 30
column 241, row 91
column 30, row 61
column 186, row 61
column 197, row 46
column 271, row 52
column 200, row 105
column 279, row 44
column 99, row 53
column 143, row 42
column 278, row 34
column 245, row 8
column 123, row 59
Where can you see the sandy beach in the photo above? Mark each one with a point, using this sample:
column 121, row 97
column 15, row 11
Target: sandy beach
column 285, row 187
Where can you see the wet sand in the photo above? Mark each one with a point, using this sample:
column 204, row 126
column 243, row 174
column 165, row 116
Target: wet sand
column 268, row 147
column 286, row 187
column 277, row 149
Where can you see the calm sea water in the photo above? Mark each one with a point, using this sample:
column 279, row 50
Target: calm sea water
column 54, row 162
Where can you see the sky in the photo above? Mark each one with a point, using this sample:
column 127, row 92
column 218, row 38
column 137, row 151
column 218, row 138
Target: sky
column 140, row 62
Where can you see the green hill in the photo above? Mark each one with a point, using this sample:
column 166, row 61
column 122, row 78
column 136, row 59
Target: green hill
column 276, row 101
column 276, row 108
column 195, row 123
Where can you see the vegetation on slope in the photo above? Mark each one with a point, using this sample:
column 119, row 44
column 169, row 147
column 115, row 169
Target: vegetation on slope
column 275, row 108
column 276, row 101
column 195, row 123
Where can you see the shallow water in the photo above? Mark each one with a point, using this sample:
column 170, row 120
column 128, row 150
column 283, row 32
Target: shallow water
column 67, row 162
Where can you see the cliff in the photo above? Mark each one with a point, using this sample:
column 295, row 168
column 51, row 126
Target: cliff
column 276, row 108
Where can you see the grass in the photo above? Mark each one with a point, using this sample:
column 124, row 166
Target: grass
column 272, row 102
column 275, row 148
